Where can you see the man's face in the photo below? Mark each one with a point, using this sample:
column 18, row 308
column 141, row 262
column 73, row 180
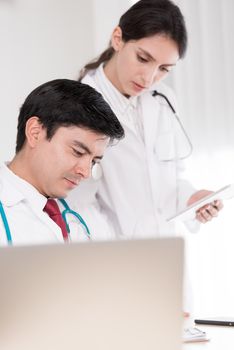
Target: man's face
column 58, row 165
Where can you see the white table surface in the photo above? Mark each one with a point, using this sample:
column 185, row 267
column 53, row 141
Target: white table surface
column 221, row 338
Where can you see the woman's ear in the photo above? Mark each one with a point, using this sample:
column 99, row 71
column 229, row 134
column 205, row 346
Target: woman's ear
column 116, row 39
column 33, row 131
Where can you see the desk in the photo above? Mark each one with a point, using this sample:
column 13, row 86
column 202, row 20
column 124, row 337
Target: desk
column 221, row 338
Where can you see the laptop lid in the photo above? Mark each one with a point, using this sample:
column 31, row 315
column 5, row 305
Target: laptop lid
column 92, row 296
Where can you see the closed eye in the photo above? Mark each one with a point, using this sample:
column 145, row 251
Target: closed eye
column 142, row 59
column 77, row 153
column 165, row 69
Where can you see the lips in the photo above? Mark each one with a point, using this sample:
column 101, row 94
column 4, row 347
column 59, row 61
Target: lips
column 138, row 87
column 73, row 182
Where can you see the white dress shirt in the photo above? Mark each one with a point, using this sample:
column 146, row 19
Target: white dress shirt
column 23, row 206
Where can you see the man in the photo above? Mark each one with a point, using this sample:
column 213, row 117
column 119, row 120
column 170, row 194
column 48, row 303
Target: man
column 64, row 128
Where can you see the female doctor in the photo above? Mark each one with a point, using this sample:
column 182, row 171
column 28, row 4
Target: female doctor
column 140, row 182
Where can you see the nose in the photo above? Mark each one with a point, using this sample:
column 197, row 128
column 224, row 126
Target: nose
column 84, row 168
column 150, row 75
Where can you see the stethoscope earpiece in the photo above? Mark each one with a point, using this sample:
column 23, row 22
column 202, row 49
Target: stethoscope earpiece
column 96, row 171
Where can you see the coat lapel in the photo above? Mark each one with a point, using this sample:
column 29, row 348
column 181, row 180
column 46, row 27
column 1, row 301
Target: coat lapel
column 45, row 219
column 149, row 112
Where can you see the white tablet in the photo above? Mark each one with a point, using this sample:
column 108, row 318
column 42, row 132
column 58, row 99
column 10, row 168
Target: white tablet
column 189, row 213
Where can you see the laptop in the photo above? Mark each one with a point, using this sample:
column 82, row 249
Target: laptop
column 124, row 295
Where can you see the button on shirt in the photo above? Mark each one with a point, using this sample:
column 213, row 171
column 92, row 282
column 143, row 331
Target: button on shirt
column 23, row 206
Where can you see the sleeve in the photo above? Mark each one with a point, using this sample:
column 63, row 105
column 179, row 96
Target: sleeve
column 184, row 192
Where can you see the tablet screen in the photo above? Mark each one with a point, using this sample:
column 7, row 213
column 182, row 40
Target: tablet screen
column 189, row 213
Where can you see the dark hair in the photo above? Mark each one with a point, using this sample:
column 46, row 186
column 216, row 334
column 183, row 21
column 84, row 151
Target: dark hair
column 144, row 19
column 64, row 102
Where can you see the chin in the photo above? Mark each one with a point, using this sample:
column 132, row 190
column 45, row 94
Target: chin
column 62, row 195
column 58, row 194
column 137, row 93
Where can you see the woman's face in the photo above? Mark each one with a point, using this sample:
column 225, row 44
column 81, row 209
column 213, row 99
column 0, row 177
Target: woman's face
column 136, row 65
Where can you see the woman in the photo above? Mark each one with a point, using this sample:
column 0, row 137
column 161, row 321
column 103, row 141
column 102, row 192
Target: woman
column 141, row 184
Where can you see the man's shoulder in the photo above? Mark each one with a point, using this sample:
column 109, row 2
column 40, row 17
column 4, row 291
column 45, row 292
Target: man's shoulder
column 9, row 194
column 89, row 79
column 2, row 179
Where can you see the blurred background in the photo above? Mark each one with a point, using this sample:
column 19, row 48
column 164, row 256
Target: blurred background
column 49, row 39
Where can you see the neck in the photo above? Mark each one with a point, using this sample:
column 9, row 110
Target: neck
column 110, row 72
column 20, row 166
column 17, row 166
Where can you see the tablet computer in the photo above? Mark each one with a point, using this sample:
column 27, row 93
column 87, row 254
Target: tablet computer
column 189, row 213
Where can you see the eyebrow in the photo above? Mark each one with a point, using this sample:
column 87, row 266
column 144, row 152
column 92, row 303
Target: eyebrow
column 86, row 149
column 153, row 59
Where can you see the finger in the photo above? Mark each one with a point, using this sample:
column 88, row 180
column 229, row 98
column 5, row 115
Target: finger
column 200, row 218
column 204, row 215
column 212, row 210
column 218, row 204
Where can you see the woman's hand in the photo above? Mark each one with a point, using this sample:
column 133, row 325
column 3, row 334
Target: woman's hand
column 208, row 211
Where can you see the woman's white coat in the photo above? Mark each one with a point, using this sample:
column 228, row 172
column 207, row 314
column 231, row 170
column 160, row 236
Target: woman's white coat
column 138, row 189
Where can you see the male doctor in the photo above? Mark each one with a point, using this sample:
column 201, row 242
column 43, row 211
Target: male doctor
column 64, row 128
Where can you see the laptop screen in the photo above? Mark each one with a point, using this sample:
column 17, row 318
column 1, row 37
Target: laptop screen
column 102, row 296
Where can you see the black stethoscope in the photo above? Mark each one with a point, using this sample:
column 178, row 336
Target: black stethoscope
column 156, row 93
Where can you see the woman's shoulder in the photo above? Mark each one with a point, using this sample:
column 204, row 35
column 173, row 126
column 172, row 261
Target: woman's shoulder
column 89, row 78
column 163, row 89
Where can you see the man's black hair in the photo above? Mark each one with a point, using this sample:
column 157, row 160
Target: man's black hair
column 65, row 102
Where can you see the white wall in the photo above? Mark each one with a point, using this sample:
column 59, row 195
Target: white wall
column 43, row 40
column 204, row 79
column 40, row 40
column 204, row 85
column 107, row 14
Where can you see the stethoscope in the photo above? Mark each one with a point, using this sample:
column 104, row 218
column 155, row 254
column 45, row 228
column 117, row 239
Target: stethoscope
column 64, row 214
column 177, row 158
column 156, row 93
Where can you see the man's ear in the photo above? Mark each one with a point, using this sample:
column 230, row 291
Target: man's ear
column 33, row 131
column 116, row 39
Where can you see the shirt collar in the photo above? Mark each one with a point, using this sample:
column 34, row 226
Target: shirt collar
column 116, row 100
column 20, row 189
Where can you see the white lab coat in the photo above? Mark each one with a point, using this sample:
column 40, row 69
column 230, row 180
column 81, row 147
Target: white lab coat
column 137, row 190
column 23, row 206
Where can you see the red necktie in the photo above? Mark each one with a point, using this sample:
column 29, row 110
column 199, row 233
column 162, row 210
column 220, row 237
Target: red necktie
column 52, row 209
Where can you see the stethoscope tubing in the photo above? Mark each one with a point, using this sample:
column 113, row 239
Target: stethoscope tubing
column 66, row 211
column 6, row 225
column 156, row 93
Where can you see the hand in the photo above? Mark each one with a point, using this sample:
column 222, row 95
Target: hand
column 208, row 211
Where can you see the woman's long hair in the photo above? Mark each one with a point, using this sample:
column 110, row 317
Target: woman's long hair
column 144, row 19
